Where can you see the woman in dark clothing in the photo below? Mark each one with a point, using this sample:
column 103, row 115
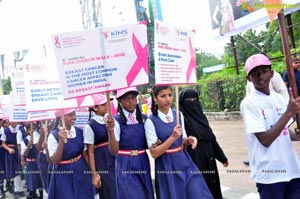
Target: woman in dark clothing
column 208, row 149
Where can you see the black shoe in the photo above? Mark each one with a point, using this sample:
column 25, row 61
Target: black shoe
column 35, row 196
column 246, row 163
column 2, row 195
column 28, row 195
column 22, row 194
column 19, row 194
column 9, row 187
column 10, row 190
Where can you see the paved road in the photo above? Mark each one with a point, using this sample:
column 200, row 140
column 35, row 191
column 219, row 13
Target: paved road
column 235, row 179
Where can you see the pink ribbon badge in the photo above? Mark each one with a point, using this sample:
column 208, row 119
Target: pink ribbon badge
column 192, row 64
column 140, row 62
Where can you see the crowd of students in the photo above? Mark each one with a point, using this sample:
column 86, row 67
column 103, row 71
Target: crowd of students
column 109, row 157
column 21, row 161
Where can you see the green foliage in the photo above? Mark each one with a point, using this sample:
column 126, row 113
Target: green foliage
column 234, row 91
column 222, row 90
column 228, row 60
column 295, row 19
column 6, row 86
column 206, row 94
column 243, row 48
column 203, row 60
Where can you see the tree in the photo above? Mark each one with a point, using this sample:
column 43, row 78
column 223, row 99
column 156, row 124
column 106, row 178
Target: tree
column 203, row 60
column 243, row 48
column 6, row 83
column 295, row 19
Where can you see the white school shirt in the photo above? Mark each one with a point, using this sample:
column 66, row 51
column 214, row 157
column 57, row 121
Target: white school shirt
column 53, row 143
column 279, row 162
column 13, row 130
column 23, row 145
column 117, row 128
column 88, row 133
column 1, row 131
column 150, row 129
column 36, row 137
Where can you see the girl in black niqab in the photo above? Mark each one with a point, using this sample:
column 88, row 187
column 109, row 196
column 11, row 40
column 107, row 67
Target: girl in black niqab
column 208, row 149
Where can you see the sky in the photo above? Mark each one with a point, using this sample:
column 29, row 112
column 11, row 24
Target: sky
column 26, row 23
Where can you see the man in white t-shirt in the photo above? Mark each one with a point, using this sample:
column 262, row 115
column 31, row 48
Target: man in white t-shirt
column 277, row 85
column 274, row 164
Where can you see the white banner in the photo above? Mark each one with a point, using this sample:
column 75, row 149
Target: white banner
column 17, row 113
column 34, row 63
column 4, row 104
column 18, row 88
column 43, row 92
column 40, row 116
column 175, row 57
column 103, row 59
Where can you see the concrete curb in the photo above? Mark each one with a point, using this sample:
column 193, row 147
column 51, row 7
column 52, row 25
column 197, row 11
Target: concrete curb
column 223, row 116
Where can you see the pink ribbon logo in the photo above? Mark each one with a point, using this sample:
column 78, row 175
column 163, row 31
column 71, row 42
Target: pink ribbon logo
column 192, row 64
column 57, row 43
column 140, row 62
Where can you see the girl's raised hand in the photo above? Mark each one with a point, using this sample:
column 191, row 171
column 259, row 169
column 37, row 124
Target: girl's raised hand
column 110, row 123
column 63, row 134
column 177, row 132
